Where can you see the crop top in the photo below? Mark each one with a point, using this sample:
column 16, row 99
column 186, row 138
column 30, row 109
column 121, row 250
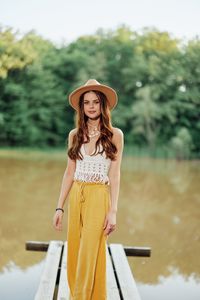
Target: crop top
column 92, row 168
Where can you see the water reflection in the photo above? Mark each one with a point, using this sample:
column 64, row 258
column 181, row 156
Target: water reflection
column 173, row 287
column 162, row 215
column 24, row 282
column 158, row 207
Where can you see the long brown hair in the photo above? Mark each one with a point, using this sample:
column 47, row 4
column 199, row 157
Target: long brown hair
column 106, row 134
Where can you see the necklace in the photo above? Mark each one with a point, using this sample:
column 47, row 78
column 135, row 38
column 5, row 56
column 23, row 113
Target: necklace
column 94, row 132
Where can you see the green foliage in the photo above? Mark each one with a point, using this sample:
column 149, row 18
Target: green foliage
column 182, row 143
column 14, row 54
column 146, row 116
column 156, row 76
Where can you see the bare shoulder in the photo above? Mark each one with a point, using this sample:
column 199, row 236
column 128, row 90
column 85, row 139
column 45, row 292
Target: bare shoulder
column 73, row 132
column 118, row 134
column 71, row 135
column 118, row 139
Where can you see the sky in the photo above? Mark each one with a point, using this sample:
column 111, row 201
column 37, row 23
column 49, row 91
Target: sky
column 63, row 21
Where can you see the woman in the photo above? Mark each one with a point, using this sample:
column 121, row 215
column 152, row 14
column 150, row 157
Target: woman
column 92, row 180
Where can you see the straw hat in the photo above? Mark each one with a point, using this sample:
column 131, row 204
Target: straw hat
column 93, row 84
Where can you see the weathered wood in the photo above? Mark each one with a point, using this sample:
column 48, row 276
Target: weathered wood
column 125, row 278
column 119, row 278
column 137, row 251
column 49, row 275
column 129, row 250
column 36, row 246
column 112, row 288
column 63, row 287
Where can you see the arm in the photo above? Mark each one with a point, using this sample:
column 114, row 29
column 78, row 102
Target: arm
column 68, row 175
column 65, row 186
column 114, row 178
column 114, row 171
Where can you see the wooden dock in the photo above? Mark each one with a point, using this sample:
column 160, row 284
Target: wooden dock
column 120, row 281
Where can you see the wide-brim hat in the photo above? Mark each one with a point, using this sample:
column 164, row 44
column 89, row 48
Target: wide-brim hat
column 93, row 84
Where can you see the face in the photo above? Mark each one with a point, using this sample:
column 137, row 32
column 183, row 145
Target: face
column 92, row 107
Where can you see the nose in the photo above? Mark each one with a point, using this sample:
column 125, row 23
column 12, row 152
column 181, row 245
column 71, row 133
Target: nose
column 91, row 105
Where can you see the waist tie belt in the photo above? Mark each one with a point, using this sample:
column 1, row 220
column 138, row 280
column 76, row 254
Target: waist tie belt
column 84, row 183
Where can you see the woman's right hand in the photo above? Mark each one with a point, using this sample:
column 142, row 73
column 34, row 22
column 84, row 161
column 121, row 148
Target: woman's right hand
column 57, row 220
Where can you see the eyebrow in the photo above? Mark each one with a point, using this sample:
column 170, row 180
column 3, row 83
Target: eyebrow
column 89, row 100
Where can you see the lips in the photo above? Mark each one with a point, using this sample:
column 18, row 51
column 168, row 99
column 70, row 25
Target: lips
column 91, row 112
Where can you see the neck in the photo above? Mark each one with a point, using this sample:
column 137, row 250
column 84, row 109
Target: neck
column 93, row 122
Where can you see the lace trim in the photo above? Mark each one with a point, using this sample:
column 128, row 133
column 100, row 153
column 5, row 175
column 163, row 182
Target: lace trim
column 92, row 177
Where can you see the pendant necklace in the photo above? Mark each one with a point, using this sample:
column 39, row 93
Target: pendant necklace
column 94, row 132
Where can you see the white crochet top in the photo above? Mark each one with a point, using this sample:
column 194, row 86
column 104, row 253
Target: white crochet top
column 92, row 168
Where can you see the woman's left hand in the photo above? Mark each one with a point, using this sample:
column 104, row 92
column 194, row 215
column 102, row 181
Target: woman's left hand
column 110, row 222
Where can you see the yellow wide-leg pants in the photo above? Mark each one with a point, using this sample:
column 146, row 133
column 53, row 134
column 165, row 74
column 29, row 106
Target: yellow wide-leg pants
column 88, row 204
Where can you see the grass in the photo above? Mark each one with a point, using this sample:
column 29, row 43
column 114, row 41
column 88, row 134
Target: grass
column 61, row 152
column 33, row 153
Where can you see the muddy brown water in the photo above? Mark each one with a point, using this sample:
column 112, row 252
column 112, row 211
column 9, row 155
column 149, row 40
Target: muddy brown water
column 159, row 207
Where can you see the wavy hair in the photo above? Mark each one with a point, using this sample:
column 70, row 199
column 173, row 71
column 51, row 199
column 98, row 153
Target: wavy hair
column 106, row 131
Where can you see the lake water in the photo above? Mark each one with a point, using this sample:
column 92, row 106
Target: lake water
column 159, row 207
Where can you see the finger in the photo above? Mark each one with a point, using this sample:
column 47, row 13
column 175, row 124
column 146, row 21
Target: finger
column 107, row 229
column 59, row 223
column 59, row 227
column 55, row 224
column 59, row 220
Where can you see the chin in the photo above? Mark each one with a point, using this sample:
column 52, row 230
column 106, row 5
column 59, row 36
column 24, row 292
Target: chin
column 92, row 116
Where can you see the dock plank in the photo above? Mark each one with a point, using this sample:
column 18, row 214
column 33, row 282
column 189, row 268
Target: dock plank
column 63, row 290
column 112, row 288
column 49, row 275
column 119, row 278
column 124, row 274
